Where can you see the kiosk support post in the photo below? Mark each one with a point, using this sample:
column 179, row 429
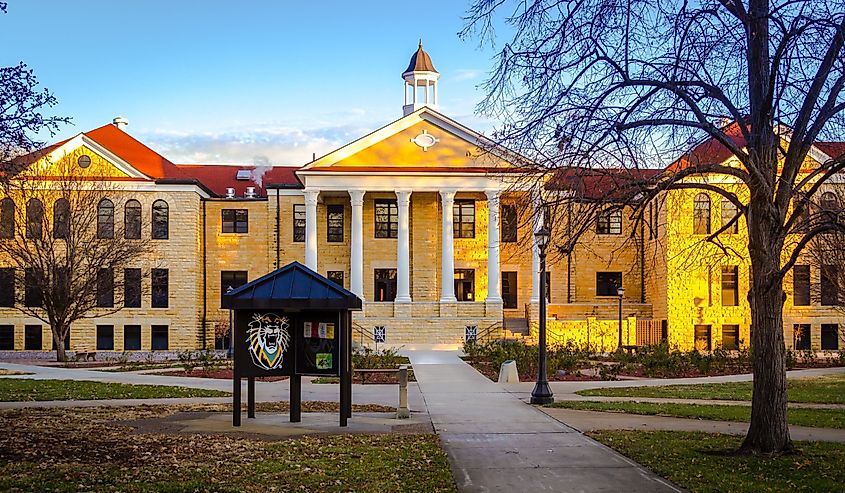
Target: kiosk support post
column 236, row 400
column 295, row 398
column 250, row 397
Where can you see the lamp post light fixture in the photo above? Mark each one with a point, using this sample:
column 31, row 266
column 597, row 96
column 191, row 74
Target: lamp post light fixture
column 230, row 353
column 542, row 393
column 621, row 292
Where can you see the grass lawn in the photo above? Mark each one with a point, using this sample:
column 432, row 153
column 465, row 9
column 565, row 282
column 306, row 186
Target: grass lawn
column 818, row 418
column 20, row 389
column 95, row 452
column 828, row 389
column 692, row 460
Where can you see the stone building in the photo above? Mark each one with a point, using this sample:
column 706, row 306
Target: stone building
column 428, row 221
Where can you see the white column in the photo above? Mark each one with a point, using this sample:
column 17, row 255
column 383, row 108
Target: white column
column 403, row 248
column 434, row 91
column 493, row 285
column 311, row 228
column 447, row 254
column 356, row 257
column 535, row 259
column 405, row 90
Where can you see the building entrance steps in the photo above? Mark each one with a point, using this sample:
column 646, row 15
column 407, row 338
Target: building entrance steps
column 496, row 442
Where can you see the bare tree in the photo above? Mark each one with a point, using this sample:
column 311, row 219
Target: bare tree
column 58, row 232
column 624, row 84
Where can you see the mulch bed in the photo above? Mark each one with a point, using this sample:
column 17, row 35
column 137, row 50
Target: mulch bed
column 222, row 374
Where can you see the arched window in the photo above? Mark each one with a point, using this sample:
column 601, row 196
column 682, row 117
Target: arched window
column 701, row 215
column 7, row 218
column 161, row 220
column 34, row 218
column 105, row 219
column 132, row 220
column 730, row 211
column 61, row 218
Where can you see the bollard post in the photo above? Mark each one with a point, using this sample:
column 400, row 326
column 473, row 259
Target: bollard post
column 402, row 412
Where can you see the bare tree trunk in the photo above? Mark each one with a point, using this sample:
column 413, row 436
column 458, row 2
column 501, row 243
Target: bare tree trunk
column 59, row 335
column 769, row 429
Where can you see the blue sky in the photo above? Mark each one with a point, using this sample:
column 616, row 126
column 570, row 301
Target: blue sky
column 218, row 82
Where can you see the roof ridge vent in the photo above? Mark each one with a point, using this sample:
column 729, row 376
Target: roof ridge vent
column 250, row 193
column 230, row 193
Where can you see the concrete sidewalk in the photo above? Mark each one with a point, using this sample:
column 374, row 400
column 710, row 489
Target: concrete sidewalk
column 496, row 442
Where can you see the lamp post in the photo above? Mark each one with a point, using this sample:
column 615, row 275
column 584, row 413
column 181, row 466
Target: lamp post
column 621, row 292
column 542, row 393
column 230, row 353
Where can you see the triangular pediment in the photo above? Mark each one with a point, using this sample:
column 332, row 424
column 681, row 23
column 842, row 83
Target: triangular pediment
column 90, row 158
column 421, row 141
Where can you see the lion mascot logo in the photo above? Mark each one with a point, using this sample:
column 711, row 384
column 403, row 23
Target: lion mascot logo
column 267, row 340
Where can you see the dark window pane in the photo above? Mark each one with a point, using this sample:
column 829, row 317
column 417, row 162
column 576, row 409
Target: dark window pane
column 701, row 215
column 334, row 223
column 235, row 220
column 730, row 337
column 829, row 285
column 386, row 218
column 32, row 338
column 66, row 344
column 730, row 285
column 161, row 220
column 131, row 337
column 607, row 283
column 801, row 336
column 385, row 284
column 159, row 337
column 7, row 218
column 105, row 337
column 160, row 288
column 702, row 338
column 60, row 287
column 465, row 284
column 729, row 211
column 830, row 337
column 132, row 220
column 32, row 288
column 61, row 219
column 299, row 223
column 335, row 276
column 7, row 337
column 801, row 285
column 7, row 287
column 509, row 290
column 105, row 219
column 509, row 223
column 231, row 279
column 132, row 288
column 105, row 288
column 34, row 218
column 463, row 216
column 610, row 223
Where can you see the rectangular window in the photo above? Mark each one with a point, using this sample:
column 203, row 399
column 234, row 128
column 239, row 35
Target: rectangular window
column 607, row 283
column 730, row 337
column 387, row 218
column 385, row 285
column 235, row 220
column 132, row 288
column 801, row 337
column 160, row 288
column 105, row 288
column 464, row 284
column 32, row 338
column 299, row 223
column 336, row 276
column 131, row 337
column 509, row 223
column 609, row 223
column 463, row 216
column 159, row 337
column 32, row 288
column 509, row 294
column 730, row 285
column 830, row 337
column 105, row 338
column 7, row 287
column 66, row 343
column 702, row 338
column 231, row 279
column 7, row 337
column 801, row 285
column 334, row 223
column 829, row 285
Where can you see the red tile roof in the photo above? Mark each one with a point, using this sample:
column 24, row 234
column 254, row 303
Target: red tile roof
column 219, row 177
column 596, row 184
column 131, row 150
column 710, row 151
column 832, row 149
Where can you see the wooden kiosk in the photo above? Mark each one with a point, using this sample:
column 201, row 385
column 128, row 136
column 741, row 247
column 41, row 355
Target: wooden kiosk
column 291, row 322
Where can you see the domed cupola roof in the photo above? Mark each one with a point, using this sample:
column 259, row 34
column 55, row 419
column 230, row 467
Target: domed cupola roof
column 420, row 62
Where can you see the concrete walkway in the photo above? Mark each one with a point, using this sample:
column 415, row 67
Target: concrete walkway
column 496, row 442
column 587, row 421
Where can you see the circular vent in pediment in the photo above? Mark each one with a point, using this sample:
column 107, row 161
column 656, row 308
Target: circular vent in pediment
column 83, row 161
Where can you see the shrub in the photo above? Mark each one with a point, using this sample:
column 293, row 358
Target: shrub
column 364, row 357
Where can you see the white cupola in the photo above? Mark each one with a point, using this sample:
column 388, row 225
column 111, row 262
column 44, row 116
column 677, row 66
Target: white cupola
column 420, row 82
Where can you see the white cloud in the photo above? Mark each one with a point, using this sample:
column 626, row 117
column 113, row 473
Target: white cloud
column 467, row 74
